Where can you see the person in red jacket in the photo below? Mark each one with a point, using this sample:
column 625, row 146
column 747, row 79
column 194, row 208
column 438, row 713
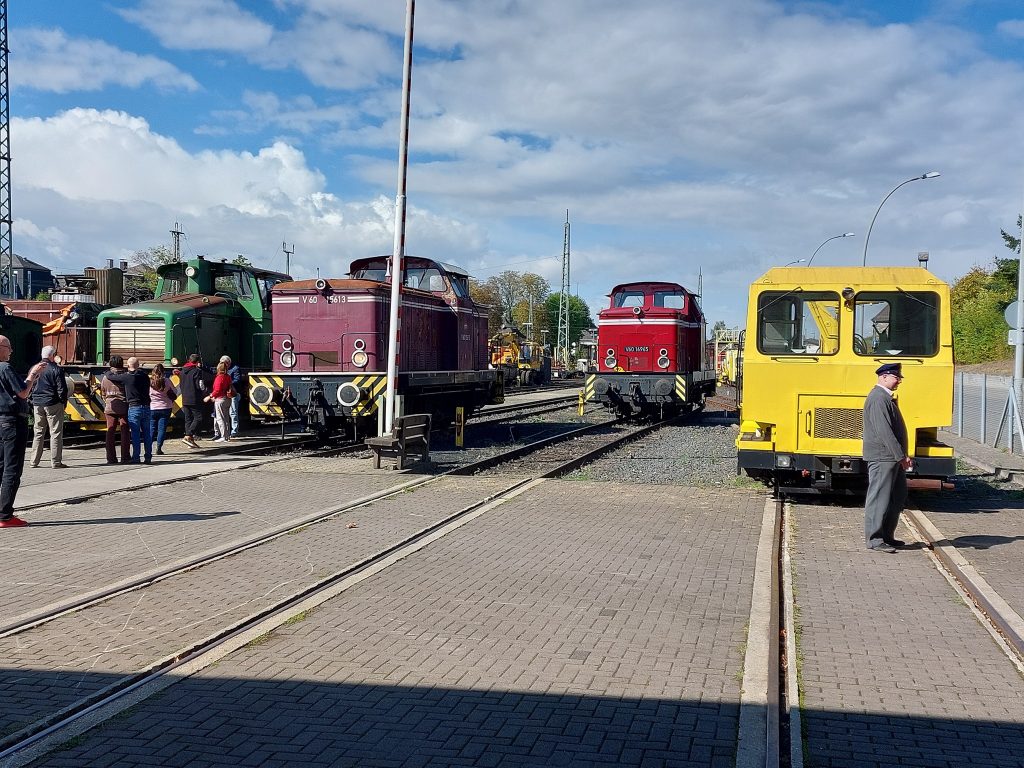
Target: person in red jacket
column 221, row 395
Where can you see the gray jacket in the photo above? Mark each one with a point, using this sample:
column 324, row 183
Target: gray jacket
column 885, row 433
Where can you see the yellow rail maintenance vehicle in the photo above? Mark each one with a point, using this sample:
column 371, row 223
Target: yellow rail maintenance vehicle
column 815, row 336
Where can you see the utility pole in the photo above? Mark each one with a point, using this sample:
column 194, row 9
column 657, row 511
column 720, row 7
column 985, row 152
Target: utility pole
column 562, row 340
column 176, row 234
column 6, row 235
column 287, row 257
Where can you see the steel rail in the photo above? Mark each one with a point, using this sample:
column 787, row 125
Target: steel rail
column 49, row 726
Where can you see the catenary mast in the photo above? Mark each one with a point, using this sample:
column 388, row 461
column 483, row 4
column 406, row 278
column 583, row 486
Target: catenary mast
column 562, row 343
column 6, row 236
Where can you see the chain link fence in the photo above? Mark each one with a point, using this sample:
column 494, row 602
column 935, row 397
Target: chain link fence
column 987, row 409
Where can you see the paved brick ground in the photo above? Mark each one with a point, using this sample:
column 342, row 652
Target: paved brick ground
column 70, row 549
column 88, row 649
column 895, row 670
column 986, row 524
column 580, row 624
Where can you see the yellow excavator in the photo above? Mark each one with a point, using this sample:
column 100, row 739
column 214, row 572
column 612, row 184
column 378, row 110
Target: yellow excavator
column 522, row 361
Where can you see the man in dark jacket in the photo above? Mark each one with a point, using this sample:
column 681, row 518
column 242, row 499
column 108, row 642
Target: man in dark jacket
column 136, row 389
column 885, row 452
column 193, row 390
column 14, row 393
column 49, row 396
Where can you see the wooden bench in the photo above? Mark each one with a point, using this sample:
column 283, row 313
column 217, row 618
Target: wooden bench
column 410, row 437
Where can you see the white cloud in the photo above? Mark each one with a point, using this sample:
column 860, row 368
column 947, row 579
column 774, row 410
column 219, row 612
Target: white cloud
column 200, row 24
column 49, row 60
column 92, row 185
column 1012, row 28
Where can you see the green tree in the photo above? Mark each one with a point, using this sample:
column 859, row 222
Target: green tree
column 241, row 261
column 977, row 301
column 509, row 295
column 579, row 318
column 140, row 283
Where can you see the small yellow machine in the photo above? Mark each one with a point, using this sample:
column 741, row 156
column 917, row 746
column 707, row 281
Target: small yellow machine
column 522, row 361
column 814, row 339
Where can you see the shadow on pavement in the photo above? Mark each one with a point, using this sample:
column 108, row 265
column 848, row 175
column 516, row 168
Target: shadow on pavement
column 170, row 517
column 221, row 721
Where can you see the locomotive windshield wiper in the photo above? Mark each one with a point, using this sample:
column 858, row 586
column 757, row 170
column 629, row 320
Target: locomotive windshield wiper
column 779, row 298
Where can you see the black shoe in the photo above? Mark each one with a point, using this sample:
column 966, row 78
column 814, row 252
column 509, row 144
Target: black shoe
column 883, row 547
column 895, row 543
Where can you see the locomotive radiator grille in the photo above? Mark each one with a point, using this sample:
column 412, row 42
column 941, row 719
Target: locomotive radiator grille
column 839, row 423
column 144, row 339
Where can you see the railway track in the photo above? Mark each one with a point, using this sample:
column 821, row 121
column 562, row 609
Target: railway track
column 36, row 738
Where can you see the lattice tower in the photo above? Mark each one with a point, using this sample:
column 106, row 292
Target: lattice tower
column 6, row 240
column 562, row 343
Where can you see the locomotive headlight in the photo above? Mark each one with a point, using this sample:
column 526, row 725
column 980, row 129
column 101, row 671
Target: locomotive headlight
column 287, row 344
column 174, row 361
column 287, row 359
column 349, row 394
column 360, row 358
column 663, row 362
column 785, row 462
column 359, row 344
column 663, row 352
column 609, row 362
column 190, row 271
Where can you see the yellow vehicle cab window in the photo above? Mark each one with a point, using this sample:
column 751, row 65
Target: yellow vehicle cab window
column 798, row 322
column 896, row 323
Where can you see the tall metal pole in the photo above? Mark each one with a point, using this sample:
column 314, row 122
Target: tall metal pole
column 398, row 251
column 287, row 256
column 562, row 339
column 176, row 234
column 1018, row 355
column 929, row 175
column 834, row 237
column 6, row 220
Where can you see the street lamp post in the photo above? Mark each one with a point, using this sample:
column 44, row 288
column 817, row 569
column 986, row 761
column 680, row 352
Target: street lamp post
column 834, row 237
column 929, row 175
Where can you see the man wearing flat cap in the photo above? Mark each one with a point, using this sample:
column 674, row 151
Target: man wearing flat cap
column 885, row 452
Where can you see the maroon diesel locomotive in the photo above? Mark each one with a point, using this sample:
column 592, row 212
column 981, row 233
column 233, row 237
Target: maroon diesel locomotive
column 330, row 344
column 652, row 351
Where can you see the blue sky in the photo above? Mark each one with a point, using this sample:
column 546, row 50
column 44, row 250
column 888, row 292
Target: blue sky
column 683, row 136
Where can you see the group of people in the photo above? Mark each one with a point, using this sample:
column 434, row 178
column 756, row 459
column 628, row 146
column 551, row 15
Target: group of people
column 137, row 407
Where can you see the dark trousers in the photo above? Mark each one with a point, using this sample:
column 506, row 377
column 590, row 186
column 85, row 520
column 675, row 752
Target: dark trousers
column 158, row 426
column 14, row 435
column 193, row 416
column 117, row 424
column 887, row 493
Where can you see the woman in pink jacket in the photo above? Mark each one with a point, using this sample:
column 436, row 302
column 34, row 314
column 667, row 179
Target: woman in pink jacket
column 161, row 402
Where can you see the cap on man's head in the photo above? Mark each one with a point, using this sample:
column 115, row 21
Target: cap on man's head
column 48, row 352
column 194, row 358
column 894, row 368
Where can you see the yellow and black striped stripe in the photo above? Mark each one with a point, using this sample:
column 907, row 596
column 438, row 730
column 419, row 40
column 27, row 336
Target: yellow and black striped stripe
column 588, row 387
column 273, row 409
column 681, row 387
column 373, row 385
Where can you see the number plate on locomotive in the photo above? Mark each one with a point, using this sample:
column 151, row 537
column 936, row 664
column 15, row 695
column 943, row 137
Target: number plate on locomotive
column 638, row 349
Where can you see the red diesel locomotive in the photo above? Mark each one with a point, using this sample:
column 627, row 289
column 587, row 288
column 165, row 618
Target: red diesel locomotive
column 330, row 343
column 652, row 351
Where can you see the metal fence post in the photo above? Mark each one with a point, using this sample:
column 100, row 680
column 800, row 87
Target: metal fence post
column 960, row 404
column 984, row 409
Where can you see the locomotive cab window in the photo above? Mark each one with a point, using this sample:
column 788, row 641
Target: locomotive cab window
column 669, row 299
column 896, row 323
column 628, row 299
column 798, row 323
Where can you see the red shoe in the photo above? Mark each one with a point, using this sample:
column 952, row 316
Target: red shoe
column 13, row 522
